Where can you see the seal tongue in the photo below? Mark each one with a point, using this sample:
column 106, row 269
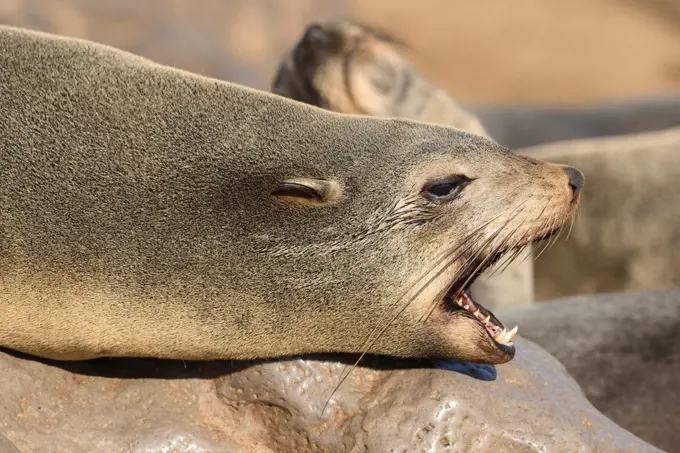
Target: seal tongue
column 464, row 300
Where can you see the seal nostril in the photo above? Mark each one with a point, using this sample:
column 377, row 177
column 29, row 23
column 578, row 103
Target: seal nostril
column 576, row 180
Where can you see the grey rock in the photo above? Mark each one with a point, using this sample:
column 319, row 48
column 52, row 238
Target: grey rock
column 624, row 351
column 137, row 405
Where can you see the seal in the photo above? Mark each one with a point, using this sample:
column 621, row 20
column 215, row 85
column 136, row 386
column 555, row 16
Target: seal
column 351, row 68
column 629, row 220
column 147, row 211
column 520, row 126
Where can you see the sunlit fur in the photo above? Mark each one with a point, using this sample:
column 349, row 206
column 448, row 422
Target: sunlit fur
column 137, row 216
column 350, row 68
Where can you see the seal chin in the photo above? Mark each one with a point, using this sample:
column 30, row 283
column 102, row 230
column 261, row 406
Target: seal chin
column 459, row 300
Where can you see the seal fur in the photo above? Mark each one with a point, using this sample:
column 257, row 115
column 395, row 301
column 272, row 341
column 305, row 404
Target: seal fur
column 630, row 220
column 147, row 211
column 351, row 68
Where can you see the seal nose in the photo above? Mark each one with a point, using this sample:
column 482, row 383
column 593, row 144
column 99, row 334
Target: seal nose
column 576, row 181
column 314, row 34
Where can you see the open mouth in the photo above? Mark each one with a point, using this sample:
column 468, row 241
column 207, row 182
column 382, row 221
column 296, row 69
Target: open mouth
column 464, row 300
column 459, row 297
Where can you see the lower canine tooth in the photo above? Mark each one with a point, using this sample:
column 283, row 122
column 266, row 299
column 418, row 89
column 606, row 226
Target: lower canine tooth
column 511, row 334
column 500, row 336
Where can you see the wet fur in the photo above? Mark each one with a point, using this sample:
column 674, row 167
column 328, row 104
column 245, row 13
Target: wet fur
column 137, row 216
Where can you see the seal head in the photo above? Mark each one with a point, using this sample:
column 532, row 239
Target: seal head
column 146, row 211
column 351, row 68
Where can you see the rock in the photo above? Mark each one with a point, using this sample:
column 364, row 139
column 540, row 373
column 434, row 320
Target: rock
column 624, row 351
column 139, row 405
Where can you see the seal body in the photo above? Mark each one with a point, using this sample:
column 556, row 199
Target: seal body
column 624, row 351
column 350, row 68
column 528, row 125
column 146, row 211
column 625, row 234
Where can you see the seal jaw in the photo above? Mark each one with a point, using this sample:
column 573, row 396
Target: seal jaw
column 459, row 298
column 463, row 300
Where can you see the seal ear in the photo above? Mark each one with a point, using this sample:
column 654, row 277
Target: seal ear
column 308, row 191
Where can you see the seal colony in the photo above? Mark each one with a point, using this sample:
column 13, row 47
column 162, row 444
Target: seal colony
column 146, row 211
column 351, row 68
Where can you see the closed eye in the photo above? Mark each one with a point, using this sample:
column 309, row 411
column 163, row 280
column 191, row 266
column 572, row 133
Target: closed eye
column 445, row 190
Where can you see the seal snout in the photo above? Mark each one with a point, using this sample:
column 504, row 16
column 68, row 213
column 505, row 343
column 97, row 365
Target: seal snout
column 576, row 181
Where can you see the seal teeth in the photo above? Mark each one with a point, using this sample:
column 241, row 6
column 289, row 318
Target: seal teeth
column 510, row 335
column 499, row 334
column 506, row 337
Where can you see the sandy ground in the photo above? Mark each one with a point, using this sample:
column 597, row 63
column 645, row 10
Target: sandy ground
column 557, row 51
column 489, row 51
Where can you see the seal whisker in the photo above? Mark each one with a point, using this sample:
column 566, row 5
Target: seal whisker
column 464, row 268
column 490, row 255
column 458, row 274
column 370, row 341
column 508, row 259
column 442, row 258
column 515, row 251
column 553, row 221
column 571, row 225
column 535, row 230
column 512, row 257
column 552, row 240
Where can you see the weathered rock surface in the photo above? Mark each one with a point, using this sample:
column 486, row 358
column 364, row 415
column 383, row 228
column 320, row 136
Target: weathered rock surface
column 624, row 351
column 528, row 405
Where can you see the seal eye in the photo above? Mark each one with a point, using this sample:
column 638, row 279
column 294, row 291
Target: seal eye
column 445, row 190
column 307, row 190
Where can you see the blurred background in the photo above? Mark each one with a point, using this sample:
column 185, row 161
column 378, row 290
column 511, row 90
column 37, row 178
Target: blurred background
column 489, row 52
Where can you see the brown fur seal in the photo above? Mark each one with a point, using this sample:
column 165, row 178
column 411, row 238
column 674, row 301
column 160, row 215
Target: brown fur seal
column 350, row 68
column 147, row 211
